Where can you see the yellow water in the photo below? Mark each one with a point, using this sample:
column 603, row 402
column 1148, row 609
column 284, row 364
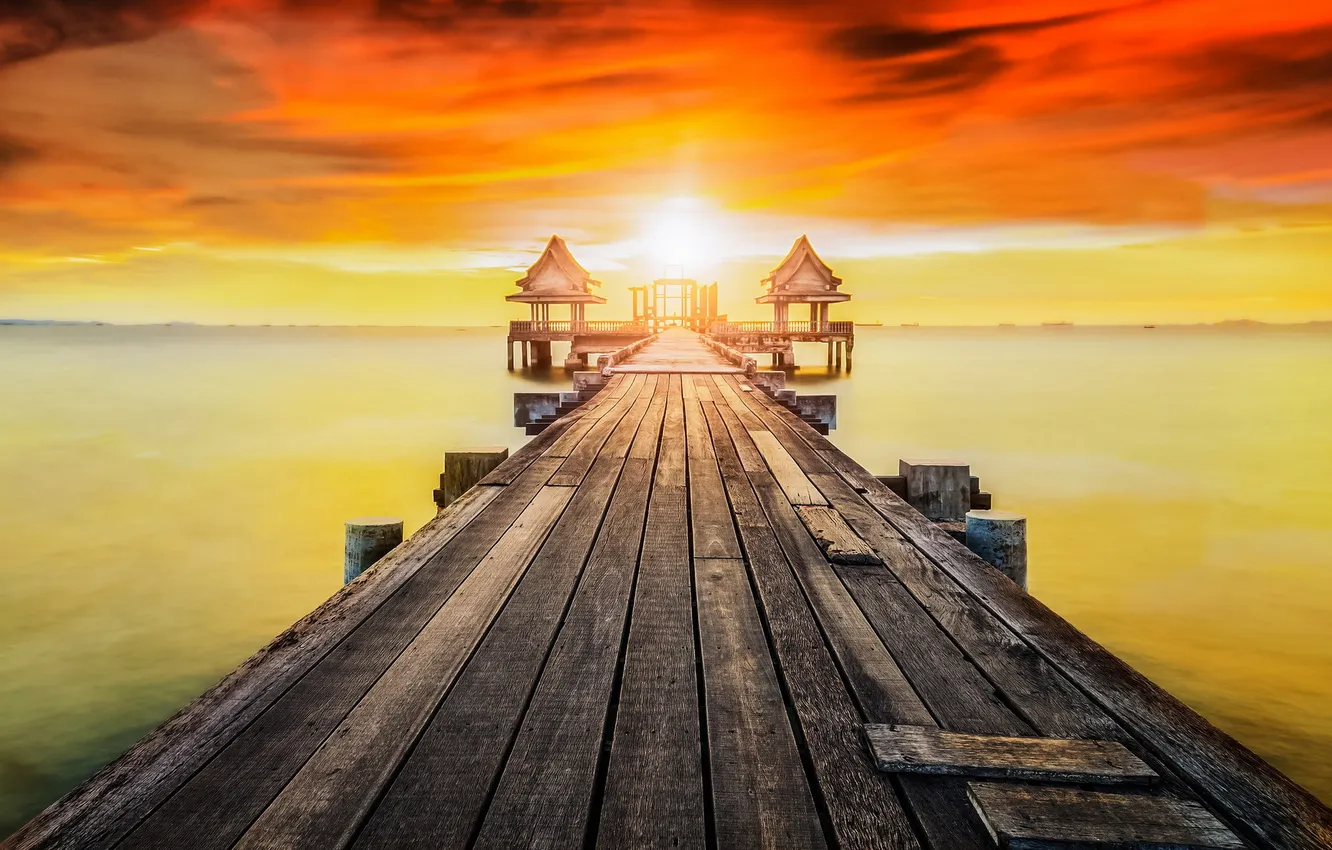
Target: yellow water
column 173, row 497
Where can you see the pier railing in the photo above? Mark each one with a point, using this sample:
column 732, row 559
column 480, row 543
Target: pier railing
column 567, row 327
column 744, row 328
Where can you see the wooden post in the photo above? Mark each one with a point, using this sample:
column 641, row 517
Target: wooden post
column 830, row 354
column 1000, row 539
column 939, row 489
column 369, row 538
column 509, row 346
column 462, row 469
column 838, row 347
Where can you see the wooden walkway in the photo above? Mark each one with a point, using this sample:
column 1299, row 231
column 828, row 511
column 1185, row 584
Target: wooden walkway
column 676, row 351
column 630, row 635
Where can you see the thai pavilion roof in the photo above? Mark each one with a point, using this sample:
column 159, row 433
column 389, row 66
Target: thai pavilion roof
column 802, row 276
column 557, row 278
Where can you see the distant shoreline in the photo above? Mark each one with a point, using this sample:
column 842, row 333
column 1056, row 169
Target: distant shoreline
column 1229, row 323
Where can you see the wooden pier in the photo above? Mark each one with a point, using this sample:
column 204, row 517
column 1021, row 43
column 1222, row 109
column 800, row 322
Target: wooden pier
column 682, row 618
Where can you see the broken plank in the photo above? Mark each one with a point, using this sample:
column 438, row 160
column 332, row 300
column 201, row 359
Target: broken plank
column 1036, row 817
column 916, row 749
column 839, row 543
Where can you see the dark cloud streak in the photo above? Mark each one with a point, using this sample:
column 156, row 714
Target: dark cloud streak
column 873, row 42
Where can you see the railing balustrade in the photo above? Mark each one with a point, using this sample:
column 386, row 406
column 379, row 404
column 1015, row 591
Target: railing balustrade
column 743, row 328
column 567, row 327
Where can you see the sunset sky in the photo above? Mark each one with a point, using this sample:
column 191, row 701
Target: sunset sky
column 397, row 161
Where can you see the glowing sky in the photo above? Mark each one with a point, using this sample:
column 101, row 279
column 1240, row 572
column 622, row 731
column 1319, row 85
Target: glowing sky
column 393, row 161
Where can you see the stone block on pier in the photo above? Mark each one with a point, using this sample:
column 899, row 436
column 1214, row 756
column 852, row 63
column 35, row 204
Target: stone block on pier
column 820, row 407
column 529, row 407
column 939, row 489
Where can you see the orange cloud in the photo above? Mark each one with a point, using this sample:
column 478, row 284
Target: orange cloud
column 478, row 127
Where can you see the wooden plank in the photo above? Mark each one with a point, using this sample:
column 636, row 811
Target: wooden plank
column 459, row 757
column 216, row 805
column 914, row 592
column 917, row 749
column 1214, row 765
column 862, row 808
column 880, row 687
column 613, row 393
column 654, row 787
column 1039, row 817
column 633, row 404
column 327, row 800
column 545, row 792
column 510, row 469
column 795, row 484
column 713, row 528
column 761, row 798
column 774, row 418
column 101, row 810
column 839, row 543
column 648, row 436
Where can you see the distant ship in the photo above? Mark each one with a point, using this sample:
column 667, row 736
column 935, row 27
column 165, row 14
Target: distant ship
column 869, row 324
column 1150, row 327
column 1007, row 325
column 911, row 324
column 1056, row 324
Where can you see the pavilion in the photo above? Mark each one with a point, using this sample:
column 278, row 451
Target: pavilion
column 802, row 278
column 555, row 278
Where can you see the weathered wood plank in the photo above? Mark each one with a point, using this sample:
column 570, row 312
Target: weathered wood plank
column 838, row 542
column 862, row 808
column 880, row 687
column 713, row 528
column 439, row 795
column 913, row 591
column 1215, row 766
column 760, row 796
column 544, row 794
column 324, row 804
column 214, row 807
column 102, row 809
column 608, row 400
column 1036, row 817
column 654, row 785
column 917, row 749
column 632, row 404
column 790, row 477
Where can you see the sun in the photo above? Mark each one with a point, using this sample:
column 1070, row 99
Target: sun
column 682, row 233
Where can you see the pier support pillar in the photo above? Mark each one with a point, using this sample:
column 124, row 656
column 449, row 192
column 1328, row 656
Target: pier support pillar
column 524, row 345
column 462, row 469
column 838, row 346
column 830, row 354
column 369, row 538
column 540, row 353
column 510, row 349
column 575, row 361
column 1000, row 539
column 939, row 489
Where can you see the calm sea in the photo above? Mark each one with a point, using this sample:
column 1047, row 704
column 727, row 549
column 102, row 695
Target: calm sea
column 173, row 497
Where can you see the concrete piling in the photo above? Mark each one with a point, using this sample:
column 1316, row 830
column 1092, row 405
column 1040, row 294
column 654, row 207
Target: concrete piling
column 939, row 489
column 462, row 469
column 369, row 538
column 1000, row 539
